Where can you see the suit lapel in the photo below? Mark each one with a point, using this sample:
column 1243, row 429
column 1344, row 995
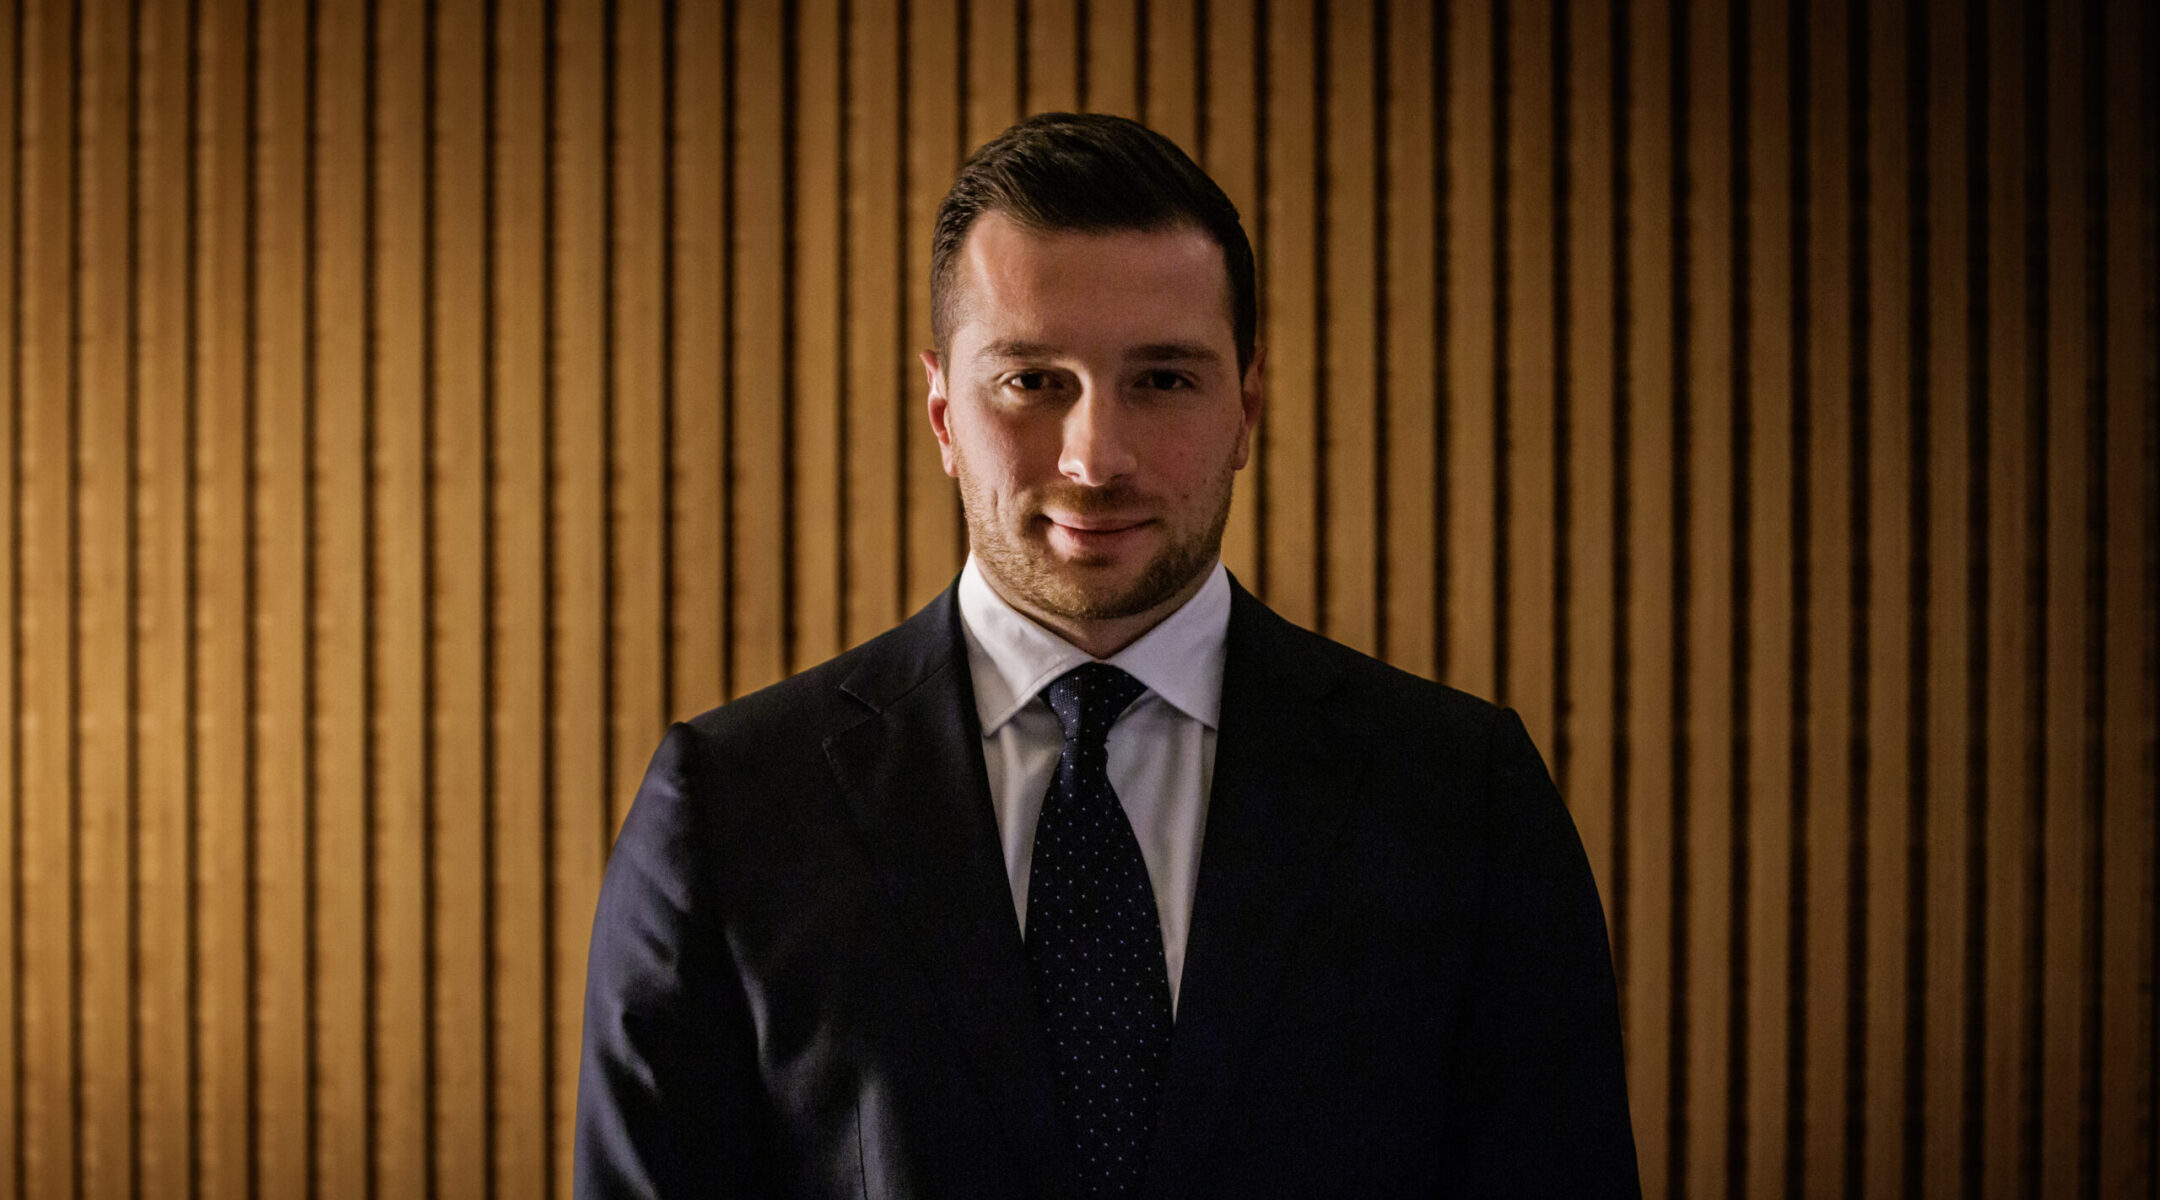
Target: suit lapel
column 1283, row 777
column 913, row 775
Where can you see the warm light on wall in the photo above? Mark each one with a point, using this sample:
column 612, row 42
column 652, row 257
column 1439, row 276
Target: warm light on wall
column 412, row 407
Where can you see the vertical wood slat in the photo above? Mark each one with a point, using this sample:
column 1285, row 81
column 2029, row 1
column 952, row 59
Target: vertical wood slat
column 699, row 266
column 1951, row 612
column 2005, row 937
column 1644, row 365
column 1769, row 407
column 1834, row 631
column 2130, row 832
column 931, row 538
column 11, row 708
column 280, row 517
column 637, row 350
column 1111, row 40
column 520, row 733
column 1055, row 55
column 458, row 465
column 1290, row 317
column 1469, row 437
column 163, row 764
column 581, row 799
column 342, row 427
column 880, row 369
column 401, row 599
column 2063, row 833
column 102, row 610
column 817, row 453
column 223, row 704
column 762, row 423
column 44, row 534
column 1884, row 603
column 1349, row 383
column 1169, row 63
column 997, row 68
column 1582, row 747
column 1705, row 625
column 345, row 1131
column 1524, row 384
column 1409, row 366
column 1231, row 148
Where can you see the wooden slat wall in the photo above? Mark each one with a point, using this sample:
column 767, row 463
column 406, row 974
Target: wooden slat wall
column 411, row 407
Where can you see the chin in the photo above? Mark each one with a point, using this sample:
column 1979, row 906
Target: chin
column 1097, row 569
column 1103, row 589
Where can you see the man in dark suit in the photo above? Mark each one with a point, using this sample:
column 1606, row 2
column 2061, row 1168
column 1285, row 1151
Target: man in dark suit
column 1096, row 877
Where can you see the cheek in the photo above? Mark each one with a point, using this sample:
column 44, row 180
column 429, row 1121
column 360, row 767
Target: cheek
column 1007, row 453
column 1193, row 462
column 993, row 457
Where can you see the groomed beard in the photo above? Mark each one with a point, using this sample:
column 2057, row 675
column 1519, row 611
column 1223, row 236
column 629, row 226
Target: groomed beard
column 1070, row 590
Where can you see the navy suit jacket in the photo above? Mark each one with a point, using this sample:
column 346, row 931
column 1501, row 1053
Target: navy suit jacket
column 806, row 977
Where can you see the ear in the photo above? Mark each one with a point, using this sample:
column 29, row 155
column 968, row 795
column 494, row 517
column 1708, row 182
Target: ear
column 1249, row 400
column 940, row 409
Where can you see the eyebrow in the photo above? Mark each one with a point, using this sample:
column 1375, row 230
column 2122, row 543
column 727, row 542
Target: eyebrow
column 1151, row 352
column 1012, row 348
column 1167, row 352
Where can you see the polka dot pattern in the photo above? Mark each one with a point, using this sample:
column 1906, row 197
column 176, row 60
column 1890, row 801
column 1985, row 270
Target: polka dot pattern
column 1094, row 945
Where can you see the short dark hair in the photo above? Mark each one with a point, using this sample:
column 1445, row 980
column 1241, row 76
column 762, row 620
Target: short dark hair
column 1088, row 172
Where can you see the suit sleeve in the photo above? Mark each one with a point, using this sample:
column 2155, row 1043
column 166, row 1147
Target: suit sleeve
column 1547, row 1111
column 669, row 1103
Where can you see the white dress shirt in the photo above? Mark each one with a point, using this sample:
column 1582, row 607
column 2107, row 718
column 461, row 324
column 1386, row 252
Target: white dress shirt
column 1162, row 749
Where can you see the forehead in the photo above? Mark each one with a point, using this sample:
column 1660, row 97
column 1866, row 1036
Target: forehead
column 1074, row 290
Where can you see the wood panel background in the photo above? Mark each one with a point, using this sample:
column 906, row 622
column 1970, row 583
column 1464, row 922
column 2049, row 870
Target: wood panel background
column 412, row 406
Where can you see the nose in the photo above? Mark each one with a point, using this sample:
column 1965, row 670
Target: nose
column 1098, row 446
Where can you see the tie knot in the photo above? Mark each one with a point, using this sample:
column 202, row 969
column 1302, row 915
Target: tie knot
column 1088, row 699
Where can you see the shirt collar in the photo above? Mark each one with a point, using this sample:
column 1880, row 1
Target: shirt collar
column 1011, row 658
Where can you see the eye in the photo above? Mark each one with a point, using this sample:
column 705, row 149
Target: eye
column 1164, row 380
column 1028, row 381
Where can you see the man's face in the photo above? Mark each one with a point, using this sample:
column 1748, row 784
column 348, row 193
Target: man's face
column 1092, row 409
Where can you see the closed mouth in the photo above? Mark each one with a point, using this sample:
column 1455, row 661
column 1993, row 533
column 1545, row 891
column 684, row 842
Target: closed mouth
column 1095, row 524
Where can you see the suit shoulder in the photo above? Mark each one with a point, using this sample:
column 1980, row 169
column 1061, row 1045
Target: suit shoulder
column 758, row 759
column 1387, row 696
column 832, row 695
column 779, row 712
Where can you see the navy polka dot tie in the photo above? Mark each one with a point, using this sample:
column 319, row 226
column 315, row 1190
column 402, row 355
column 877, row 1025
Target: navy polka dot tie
column 1094, row 945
